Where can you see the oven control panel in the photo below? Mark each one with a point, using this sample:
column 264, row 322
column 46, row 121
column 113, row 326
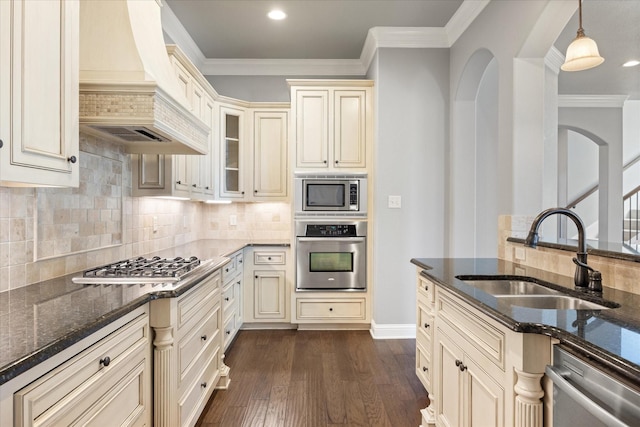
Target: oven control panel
column 331, row 230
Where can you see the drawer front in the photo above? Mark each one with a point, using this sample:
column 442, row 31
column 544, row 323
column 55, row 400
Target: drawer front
column 198, row 302
column 229, row 298
column 269, row 258
column 426, row 289
column 331, row 309
column 423, row 367
column 193, row 400
column 230, row 329
column 424, row 327
column 201, row 338
column 483, row 336
column 77, row 379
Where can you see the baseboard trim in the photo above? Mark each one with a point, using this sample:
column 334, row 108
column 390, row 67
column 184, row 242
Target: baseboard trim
column 392, row 331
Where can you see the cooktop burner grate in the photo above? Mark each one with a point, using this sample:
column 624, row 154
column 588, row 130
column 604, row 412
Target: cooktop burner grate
column 142, row 269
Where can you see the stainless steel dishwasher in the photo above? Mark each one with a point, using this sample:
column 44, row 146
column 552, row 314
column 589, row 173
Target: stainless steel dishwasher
column 585, row 395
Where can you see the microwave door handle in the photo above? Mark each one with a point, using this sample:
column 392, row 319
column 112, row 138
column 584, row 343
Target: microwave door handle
column 331, row 239
column 592, row 407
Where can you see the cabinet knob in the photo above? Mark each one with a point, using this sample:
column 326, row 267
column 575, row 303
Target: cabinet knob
column 1, row 143
column 426, row 287
column 203, row 338
column 256, row 277
column 193, row 185
column 255, row 191
column 425, row 369
column 228, row 332
column 460, row 366
column 269, row 258
column 106, row 361
column 203, row 385
column 426, row 325
column 226, row 299
column 226, row 270
column 240, row 261
column 324, row 161
column 72, row 159
column 238, row 282
column 178, row 182
column 330, row 308
column 206, row 188
column 336, row 162
column 242, row 192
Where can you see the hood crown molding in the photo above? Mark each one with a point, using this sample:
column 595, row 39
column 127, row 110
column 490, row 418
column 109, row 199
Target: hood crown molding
column 591, row 101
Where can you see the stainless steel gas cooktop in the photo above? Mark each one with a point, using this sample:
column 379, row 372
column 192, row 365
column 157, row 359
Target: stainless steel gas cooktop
column 142, row 270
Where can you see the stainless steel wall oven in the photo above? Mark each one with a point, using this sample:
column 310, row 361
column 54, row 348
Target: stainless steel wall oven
column 331, row 255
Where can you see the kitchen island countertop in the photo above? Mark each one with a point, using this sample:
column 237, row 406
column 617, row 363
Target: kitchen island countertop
column 610, row 337
column 42, row 319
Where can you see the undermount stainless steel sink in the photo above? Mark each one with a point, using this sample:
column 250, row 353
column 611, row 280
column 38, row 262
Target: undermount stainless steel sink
column 511, row 287
column 549, row 302
column 524, row 293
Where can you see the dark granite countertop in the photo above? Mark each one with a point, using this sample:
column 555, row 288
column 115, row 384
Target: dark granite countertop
column 40, row 320
column 610, row 337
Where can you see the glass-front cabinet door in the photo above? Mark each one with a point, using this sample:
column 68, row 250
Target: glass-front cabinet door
column 232, row 156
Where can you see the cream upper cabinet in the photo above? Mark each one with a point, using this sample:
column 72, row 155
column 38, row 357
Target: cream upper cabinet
column 253, row 151
column 232, row 152
column 332, row 123
column 270, row 154
column 39, row 72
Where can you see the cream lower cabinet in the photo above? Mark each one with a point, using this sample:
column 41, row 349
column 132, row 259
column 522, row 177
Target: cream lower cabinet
column 476, row 370
column 187, row 349
column 267, row 285
column 39, row 74
column 108, row 383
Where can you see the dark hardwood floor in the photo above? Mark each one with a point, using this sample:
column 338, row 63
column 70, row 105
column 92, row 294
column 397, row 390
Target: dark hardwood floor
column 318, row 378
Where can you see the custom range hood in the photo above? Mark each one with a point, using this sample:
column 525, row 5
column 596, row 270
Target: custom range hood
column 128, row 89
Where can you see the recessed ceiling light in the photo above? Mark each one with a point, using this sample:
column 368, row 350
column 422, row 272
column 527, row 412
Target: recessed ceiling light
column 277, row 15
column 631, row 63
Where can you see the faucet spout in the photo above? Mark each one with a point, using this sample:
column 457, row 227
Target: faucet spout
column 581, row 277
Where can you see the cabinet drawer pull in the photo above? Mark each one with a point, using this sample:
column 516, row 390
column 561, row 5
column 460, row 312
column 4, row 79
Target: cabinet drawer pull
column 106, row 361
column 203, row 338
column 203, row 385
column 72, row 159
column 425, row 369
column 426, row 325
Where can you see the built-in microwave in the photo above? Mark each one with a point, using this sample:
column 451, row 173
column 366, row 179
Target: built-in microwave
column 326, row 194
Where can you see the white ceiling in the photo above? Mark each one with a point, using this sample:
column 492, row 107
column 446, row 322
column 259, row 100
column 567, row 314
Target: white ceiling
column 336, row 30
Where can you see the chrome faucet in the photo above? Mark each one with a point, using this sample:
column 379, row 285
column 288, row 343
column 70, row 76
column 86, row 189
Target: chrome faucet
column 582, row 278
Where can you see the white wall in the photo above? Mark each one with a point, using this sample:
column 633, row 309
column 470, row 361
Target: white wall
column 411, row 93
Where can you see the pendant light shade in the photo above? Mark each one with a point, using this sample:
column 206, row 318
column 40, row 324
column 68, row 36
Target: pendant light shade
column 582, row 53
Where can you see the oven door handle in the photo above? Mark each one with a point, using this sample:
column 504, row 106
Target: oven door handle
column 559, row 380
column 331, row 239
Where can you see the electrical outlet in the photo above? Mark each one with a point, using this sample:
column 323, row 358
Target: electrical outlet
column 233, row 220
column 520, row 254
column 395, row 202
column 155, row 224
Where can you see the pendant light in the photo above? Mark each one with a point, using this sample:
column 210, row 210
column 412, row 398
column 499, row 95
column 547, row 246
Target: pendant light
column 582, row 53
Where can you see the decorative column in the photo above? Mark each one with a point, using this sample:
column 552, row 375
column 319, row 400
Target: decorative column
column 165, row 379
column 429, row 413
column 528, row 403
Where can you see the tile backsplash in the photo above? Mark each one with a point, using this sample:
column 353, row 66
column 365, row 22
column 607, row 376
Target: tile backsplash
column 50, row 232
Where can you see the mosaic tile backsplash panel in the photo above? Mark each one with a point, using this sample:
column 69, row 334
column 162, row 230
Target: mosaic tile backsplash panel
column 50, row 232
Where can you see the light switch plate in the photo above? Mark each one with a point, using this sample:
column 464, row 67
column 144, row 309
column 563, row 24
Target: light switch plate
column 155, row 224
column 233, row 220
column 395, row 202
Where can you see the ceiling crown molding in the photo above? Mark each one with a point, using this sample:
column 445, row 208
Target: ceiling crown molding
column 591, row 101
column 554, row 59
column 377, row 37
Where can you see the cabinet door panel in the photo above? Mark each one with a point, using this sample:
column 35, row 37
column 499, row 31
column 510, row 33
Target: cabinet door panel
column 269, row 295
column 312, row 125
column 449, row 382
column 484, row 396
column 40, row 92
column 270, row 154
column 350, row 124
